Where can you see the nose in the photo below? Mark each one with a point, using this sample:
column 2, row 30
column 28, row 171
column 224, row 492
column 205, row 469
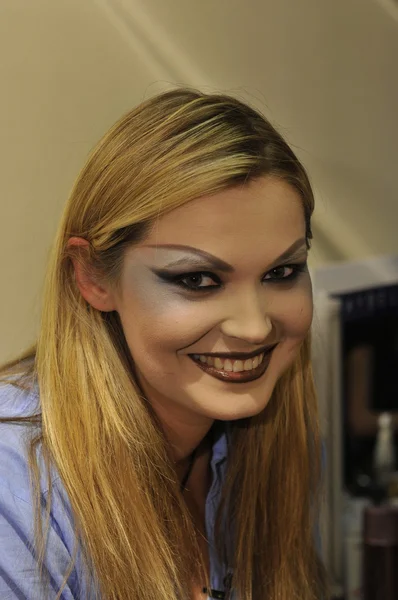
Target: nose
column 247, row 318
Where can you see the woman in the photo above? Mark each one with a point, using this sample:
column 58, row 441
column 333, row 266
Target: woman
column 168, row 407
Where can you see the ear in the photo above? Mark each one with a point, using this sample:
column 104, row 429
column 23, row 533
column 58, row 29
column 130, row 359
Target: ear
column 97, row 294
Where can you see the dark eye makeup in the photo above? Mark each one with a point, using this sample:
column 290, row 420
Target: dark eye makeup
column 206, row 281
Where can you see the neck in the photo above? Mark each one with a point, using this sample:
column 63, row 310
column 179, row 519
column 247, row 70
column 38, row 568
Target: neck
column 185, row 435
column 184, row 429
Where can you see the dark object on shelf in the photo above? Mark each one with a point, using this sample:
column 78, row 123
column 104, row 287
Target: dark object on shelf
column 380, row 572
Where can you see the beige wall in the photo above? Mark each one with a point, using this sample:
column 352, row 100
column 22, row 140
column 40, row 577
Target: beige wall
column 324, row 72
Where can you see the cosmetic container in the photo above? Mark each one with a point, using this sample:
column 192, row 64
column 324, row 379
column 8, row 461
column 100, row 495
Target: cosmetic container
column 380, row 553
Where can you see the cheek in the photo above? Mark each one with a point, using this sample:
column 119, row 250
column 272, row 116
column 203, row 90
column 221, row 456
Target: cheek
column 295, row 313
column 167, row 323
column 294, row 322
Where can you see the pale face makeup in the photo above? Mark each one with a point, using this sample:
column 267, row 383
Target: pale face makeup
column 216, row 301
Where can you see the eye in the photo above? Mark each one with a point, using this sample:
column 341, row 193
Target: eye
column 194, row 281
column 279, row 273
column 197, row 281
column 285, row 273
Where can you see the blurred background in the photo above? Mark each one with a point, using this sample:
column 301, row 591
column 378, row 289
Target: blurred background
column 325, row 74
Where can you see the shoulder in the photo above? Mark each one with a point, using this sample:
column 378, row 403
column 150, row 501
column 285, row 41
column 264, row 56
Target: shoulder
column 16, row 401
column 17, row 557
column 15, row 442
column 15, row 438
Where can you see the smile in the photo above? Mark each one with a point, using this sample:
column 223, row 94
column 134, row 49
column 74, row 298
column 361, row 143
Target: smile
column 234, row 369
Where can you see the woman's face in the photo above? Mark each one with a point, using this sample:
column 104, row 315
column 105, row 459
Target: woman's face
column 217, row 299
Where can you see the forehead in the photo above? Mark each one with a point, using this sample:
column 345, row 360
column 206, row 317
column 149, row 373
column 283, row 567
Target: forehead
column 266, row 213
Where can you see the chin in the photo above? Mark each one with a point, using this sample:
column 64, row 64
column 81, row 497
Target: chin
column 237, row 408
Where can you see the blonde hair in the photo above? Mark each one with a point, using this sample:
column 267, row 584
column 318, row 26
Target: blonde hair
column 96, row 427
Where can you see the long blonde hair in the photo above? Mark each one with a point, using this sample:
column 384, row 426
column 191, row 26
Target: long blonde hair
column 130, row 518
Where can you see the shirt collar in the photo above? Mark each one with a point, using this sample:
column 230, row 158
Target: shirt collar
column 220, row 443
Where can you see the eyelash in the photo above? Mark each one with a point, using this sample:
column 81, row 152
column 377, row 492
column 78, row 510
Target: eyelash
column 178, row 280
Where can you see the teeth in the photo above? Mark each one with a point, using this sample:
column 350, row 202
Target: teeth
column 225, row 364
column 218, row 363
column 248, row 364
column 238, row 366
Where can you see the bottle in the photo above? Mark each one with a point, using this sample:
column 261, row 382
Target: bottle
column 353, row 546
column 380, row 553
column 384, row 452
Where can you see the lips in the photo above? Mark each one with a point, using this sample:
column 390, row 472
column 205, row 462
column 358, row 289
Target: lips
column 235, row 368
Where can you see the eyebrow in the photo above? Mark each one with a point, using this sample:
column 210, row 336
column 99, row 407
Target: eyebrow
column 199, row 255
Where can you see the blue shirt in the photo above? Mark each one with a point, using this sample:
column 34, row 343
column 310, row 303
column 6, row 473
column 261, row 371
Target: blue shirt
column 18, row 573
